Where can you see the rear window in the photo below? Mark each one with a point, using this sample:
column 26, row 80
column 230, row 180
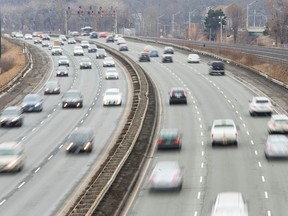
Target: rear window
column 218, row 65
column 262, row 101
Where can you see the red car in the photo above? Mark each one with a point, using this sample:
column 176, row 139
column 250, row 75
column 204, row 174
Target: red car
column 102, row 35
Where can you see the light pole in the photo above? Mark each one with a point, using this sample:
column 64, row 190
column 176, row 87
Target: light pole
column 221, row 26
column 189, row 25
column 247, row 15
column 158, row 24
column 173, row 16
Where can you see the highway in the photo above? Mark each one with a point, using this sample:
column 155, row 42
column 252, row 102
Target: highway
column 50, row 175
column 209, row 171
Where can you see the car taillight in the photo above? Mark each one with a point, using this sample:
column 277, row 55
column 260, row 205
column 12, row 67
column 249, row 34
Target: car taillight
column 177, row 141
column 160, row 141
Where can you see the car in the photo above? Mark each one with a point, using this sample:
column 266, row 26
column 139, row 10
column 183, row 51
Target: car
column 123, row 47
column 278, row 124
column 260, row 105
column 168, row 50
column 62, row 71
column 45, row 37
column 61, row 42
column 177, row 95
column 63, row 60
column 154, row 53
column 166, row 175
column 71, row 41
column 50, row 46
column 93, row 35
column 56, row 50
column 11, row 116
column 169, row 138
column 19, row 35
column 85, row 63
column 62, row 37
column 11, row 156
column 37, row 34
column 193, row 58
column 112, row 97
column 37, row 41
column 110, row 39
column 45, row 44
column 121, row 41
column 102, row 35
column 32, row 103
column 28, row 37
column 276, row 146
column 108, row 62
column 144, row 57
column 111, row 73
column 85, row 44
column 167, row 58
column 78, row 51
column 148, row 48
column 92, row 48
column 74, row 33
column 101, row 53
column 229, row 203
column 216, row 67
column 117, row 36
column 72, row 98
column 224, row 131
column 52, row 87
column 80, row 140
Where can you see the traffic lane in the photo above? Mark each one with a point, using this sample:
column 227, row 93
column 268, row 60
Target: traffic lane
column 62, row 178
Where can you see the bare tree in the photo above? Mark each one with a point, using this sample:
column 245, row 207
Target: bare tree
column 236, row 14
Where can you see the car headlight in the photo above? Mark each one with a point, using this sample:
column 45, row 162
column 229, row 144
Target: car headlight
column 3, row 119
column 37, row 104
column 69, row 146
column 87, row 146
column 16, row 118
column 12, row 164
column 81, row 63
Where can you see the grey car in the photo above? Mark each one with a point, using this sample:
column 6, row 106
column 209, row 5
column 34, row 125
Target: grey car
column 32, row 103
column 166, row 175
column 85, row 63
column 72, row 98
column 63, row 60
column 276, row 146
column 11, row 116
column 80, row 140
column 52, row 87
column 62, row 71
column 101, row 53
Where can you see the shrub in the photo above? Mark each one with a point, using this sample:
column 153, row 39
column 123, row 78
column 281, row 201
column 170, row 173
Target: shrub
column 6, row 64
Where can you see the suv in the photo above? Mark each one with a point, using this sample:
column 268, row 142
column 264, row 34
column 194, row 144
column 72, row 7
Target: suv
column 144, row 57
column 11, row 157
column 177, row 95
column 216, row 67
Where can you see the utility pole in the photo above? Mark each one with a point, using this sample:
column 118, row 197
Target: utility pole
column 173, row 16
column 116, row 21
column 0, row 35
column 158, row 24
column 247, row 14
column 221, row 28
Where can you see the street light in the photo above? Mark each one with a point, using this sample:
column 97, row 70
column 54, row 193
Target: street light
column 173, row 16
column 247, row 15
column 189, row 25
column 221, row 26
column 158, row 24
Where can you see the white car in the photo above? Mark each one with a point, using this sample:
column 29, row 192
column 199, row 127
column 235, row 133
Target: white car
column 71, row 41
column 229, row 203
column 63, row 60
column 111, row 73
column 193, row 58
column 121, row 41
column 28, row 37
column 260, row 105
column 108, row 62
column 224, row 131
column 112, row 97
column 11, row 157
column 278, row 124
column 85, row 44
column 78, row 51
column 56, row 50
column 166, row 175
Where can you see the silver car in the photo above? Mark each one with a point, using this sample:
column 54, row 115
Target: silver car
column 278, row 124
column 63, row 60
column 111, row 73
column 112, row 97
column 166, row 175
column 11, row 116
column 276, row 146
column 260, row 105
column 108, row 62
column 52, row 87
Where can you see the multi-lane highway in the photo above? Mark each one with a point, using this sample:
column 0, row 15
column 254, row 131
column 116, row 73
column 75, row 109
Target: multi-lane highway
column 207, row 170
column 50, row 175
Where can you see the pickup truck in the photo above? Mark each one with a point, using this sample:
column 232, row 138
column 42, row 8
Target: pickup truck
column 224, row 132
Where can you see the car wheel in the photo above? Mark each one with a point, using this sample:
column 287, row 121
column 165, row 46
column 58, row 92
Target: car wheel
column 252, row 113
column 213, row 144
column 267, row 157
column 180, row 188
column 235, row 143
column 270, row 113
column 81, row 105
column 223, row 74
column 20, row 123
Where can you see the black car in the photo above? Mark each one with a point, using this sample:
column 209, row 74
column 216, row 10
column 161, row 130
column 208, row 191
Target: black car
column 144, row 57
column 72, row 98
column 177, row 95
column 11, row 116
column 80, row 140
column 110, row 38
column 93, row 35
column 168, row 50
column 216, row 67
column 169, row 138
column 167, row 58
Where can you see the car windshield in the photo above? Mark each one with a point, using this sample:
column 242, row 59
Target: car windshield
column 111, row 70
column 76, row 137
column 62, row 68
column 108, row 59
column 51, row 84
column 262, row 101
column 72, row 94
column 9, row 112
column 101, row 51
column 31, row 98
column 7, row 152
column 63, row 58
column 85, row 60
column 224, row 125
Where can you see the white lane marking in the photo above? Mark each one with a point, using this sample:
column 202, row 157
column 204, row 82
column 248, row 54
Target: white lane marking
column 49, row 115
column 252, row 142
column 33, row 129
column 202, row 165
column 263, row 179
column 195, row 213
column 86, row 114
column 229, row 101
column 266, row 195
column 201, row 179
column 256, row 153
column 202, row 153
column 259, row 164
column 199, row 194
column 200, row 125
column 60, row 146
column 50, row 157
column 269, row 213
column 237, row 112
column 37, row 170
column 21, row 185
column 199, row 119
column 202, row 143
column 23, row 138
column 201, row 133
column 240, row 118
column 244, row 125
column 247, row 132
column 41, row 122
column 198, row 113
column 2, row 202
